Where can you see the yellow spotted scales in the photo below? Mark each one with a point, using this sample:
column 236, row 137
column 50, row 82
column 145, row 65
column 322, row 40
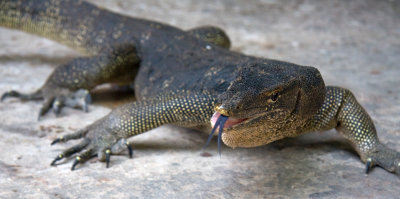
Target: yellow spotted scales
column 341, row 110
column 181, row 77
column 180, row 108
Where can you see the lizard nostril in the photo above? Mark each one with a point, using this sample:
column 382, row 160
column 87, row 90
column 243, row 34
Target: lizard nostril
column 222, row 109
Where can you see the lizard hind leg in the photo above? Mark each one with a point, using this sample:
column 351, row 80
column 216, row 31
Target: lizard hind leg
column 69, row 84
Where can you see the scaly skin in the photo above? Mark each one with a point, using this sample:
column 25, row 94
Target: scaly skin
column 183, row 77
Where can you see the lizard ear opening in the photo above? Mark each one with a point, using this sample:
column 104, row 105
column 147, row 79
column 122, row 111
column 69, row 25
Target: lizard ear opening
column 275, row 96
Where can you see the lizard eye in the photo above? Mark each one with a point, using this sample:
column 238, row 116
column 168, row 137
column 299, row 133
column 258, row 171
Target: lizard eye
column 274, row 97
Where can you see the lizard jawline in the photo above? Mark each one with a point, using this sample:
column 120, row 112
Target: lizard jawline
column 235, row 122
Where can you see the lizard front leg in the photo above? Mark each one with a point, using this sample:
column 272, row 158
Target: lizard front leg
column 107, row 135
column 69, row 84
column 342, row 111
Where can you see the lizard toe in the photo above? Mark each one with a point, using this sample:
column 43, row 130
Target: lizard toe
column 47, row 104
column 58, row 104
column 72, row 136
column 70, row 151
column 121, row 146
column 104, row 155
column 12, row 93
column 82, row 157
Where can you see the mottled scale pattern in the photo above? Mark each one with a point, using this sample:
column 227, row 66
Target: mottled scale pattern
column 356, row 125
column 325, row 118
column 211, row 34
column 88, row 72
column 48, row 19
column 342, row 111
column 181, row 108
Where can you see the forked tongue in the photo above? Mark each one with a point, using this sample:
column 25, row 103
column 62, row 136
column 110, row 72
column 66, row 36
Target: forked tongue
column 221, row 120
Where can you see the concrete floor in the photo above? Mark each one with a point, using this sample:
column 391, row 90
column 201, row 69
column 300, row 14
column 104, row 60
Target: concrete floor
column 355, row 44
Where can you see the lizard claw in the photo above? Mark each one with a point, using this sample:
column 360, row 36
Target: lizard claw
column 70, row 151
column 58, row 158
column 108, row 153
column 130, row 150
column 56, row 141
column 384, row 157
column 368, row 165
column 82, row 157
column 57, row 106
column 72, row 136
column 76, row 162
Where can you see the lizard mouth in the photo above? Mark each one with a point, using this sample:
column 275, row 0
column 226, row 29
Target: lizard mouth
column 221, row 122
column 232, row 122
column 228, row 123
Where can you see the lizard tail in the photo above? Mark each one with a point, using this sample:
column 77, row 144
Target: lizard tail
column 73, row 23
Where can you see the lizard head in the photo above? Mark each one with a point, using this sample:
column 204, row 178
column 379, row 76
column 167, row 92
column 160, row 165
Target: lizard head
column 265, row 100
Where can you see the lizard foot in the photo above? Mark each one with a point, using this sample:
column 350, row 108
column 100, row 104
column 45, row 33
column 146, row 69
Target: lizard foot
column 98, row 140
column 384, row 157
column 79, row 99
column 55, row 99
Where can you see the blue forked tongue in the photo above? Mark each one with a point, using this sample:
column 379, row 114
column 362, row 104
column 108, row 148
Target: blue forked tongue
column 219, row 123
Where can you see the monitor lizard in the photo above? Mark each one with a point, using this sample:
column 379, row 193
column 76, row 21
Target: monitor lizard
column 187, row 78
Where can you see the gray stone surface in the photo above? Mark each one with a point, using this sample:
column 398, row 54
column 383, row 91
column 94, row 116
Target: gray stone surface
column 355, row 44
